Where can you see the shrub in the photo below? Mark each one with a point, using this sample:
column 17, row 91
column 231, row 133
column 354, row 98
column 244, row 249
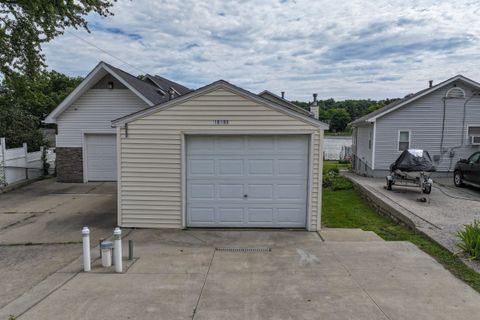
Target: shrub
column 470, row 240
column 334, row 181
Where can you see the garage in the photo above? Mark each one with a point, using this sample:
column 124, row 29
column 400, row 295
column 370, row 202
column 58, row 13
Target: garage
column 220, row 157
column 100, row 157
column 247, row 181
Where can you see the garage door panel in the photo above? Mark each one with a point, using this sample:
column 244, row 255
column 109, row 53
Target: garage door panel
column 288, row 215
column 290, row 192
column 201, row 167
column 232, row 145
column 261, row 182
column 202, row 215
column 230, row 167
column 230, row 191
column 229, row 215
column 260, row 167
column 202, row 191
column 260, row 191
column 262, row 144
column 101, row 157
column 260, row 215
column 292, row 167
column 292, row 144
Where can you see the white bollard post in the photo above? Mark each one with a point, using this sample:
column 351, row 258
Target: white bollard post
column 86, row 249
column 117, row 253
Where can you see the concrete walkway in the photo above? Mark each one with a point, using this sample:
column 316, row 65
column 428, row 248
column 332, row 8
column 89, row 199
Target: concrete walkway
column 181, row 275
column 449, row 209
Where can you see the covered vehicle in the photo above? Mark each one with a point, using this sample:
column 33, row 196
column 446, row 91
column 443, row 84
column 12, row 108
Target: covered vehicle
column 412, row 168
column 413, row 160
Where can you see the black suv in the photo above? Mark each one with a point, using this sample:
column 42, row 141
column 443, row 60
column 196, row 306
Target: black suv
column 467, row 171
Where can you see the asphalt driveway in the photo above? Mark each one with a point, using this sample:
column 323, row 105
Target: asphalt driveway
column 40, row 229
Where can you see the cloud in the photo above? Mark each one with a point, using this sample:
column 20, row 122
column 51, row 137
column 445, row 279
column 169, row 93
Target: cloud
column 386, row 47
column 349, row 49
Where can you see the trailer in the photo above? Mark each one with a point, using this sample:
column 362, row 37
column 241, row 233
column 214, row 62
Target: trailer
column 413, row 168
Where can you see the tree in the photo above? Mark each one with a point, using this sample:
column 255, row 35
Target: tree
column 339, row 119
column 37, row 95
column 26, row 25
column 18, row 126
column 25, row 101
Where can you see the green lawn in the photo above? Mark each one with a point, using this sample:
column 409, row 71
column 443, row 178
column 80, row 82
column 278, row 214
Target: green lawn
column 330, row 164
column 346, row 209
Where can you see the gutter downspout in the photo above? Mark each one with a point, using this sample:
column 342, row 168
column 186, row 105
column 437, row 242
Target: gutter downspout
column 444, row 99
column 462, row 138
column 464, row 117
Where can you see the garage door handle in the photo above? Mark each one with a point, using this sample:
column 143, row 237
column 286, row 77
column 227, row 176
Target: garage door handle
column 245, row 196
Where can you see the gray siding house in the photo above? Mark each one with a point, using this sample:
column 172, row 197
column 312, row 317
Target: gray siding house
column 443, row 119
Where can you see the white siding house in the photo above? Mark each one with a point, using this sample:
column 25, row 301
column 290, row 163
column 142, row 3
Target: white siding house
column 85, row 140
column 219, row 156
column 440, row 119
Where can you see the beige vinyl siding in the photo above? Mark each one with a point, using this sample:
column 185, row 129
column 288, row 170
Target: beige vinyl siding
column 150, row 181
column 93, row 112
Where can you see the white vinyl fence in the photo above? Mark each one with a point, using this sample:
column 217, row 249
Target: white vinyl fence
column 337, row 147
column 17, row 164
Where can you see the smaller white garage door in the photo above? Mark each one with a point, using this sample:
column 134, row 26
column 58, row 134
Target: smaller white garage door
column 101, row 154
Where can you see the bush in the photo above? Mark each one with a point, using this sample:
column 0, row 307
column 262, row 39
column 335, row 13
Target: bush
column 334, row 181
column 470, row 240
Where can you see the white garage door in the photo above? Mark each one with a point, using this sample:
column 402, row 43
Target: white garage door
column 247, row 181
column 101, row 154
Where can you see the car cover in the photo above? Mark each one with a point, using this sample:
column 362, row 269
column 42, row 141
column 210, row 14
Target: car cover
column 413, row 160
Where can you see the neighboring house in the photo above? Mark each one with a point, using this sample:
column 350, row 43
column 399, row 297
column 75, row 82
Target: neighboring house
column 443, row 119
column 86, row 141
column 220, row 156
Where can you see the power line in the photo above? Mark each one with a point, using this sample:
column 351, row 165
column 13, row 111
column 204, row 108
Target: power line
column 105, row 51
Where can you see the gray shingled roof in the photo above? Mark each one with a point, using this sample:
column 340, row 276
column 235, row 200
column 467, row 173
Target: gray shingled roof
column 165, row 84
column 150, row 91
column 409, row 98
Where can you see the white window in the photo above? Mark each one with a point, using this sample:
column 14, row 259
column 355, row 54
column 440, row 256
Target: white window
column 403, row 140
column 474, row 134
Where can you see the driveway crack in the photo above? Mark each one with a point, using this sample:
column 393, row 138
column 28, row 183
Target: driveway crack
column 361, row 287
column 203, row 285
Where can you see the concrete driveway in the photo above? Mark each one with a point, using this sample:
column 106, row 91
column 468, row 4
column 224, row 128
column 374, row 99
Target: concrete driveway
column 450, row 208
column 40, row 227
column 191, row 275
column 346, row 274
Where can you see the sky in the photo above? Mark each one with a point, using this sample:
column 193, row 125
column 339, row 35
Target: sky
column 338, row 49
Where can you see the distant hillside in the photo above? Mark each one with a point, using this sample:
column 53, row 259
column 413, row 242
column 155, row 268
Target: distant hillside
column 339, row 113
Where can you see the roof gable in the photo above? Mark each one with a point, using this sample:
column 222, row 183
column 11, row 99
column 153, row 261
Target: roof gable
column 147, row 91
column 411, row 98
column 100, row 71
column 214, row 86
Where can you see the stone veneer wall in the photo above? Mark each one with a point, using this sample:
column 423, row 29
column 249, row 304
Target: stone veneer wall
column 69, row 164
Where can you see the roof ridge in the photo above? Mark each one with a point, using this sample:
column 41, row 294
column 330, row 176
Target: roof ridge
column 413, row 96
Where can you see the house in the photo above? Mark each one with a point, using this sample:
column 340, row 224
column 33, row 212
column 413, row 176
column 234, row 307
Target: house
column 220, row 156
column 443, row 119
column 85, row 140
